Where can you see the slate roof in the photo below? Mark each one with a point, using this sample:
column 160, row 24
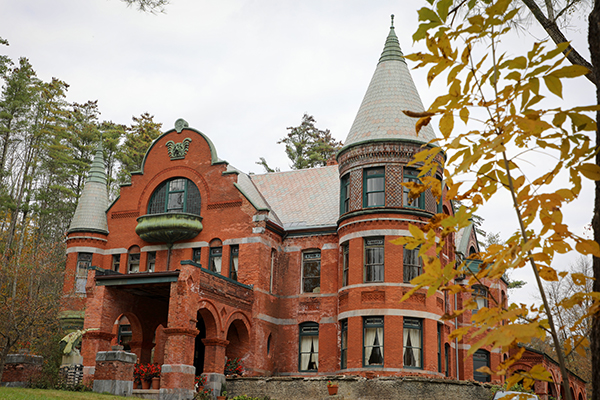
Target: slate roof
column 301, row 199
column 391, row 90
column 90, row 215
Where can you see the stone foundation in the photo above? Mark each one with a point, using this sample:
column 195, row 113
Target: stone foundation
column 21, row 369
column 358, row 388
column 114, row 372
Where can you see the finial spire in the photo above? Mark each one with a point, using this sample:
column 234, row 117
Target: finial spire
column 391, row 50
column 392, row 27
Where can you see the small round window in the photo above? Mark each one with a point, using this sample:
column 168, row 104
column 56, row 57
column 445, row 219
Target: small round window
column 175, row 195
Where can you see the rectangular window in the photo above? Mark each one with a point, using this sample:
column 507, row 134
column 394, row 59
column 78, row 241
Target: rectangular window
column 413, row 343
column 233, row 262
column 345, row 194
column 344, row 345
column 133, row 263
column 214, row 260
column 480, row 293
column 413, row 264
column 273, row 258
column 439, row 347
column 481, row 358
column 374, row 259
column 447, row 359
column 345, row 263
column 196, row 253
column 116, row 262
column 309, row 346
column 410, row 175
column 374, row 187
column 84, row 262
column 124, row 336
column 151, row 261
column 311, row 272
column 373, row 341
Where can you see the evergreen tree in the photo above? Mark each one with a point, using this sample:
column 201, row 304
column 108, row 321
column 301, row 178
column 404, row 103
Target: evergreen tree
column 138, row 139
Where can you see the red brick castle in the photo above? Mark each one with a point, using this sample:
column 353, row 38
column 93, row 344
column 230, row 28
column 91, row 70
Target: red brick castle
column 293, row 272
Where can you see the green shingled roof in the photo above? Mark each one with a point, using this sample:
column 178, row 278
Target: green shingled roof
column 90, row 215
column 391, row 90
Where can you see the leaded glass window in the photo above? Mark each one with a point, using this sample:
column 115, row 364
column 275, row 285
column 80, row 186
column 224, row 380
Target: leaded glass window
column 175, row 195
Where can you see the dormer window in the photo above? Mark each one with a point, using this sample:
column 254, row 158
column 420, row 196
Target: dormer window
column 177, row 195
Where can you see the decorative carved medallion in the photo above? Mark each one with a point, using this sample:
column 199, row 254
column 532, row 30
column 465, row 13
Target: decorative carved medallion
column 177, row 151
column 180, row 124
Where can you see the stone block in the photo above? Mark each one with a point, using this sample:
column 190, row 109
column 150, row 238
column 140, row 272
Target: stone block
column 118, row 388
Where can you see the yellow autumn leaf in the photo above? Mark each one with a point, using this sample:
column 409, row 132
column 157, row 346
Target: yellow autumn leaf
column 553, row 84
column 590, row 171
column 446, row 124
column 548, row 274
column 586, row 246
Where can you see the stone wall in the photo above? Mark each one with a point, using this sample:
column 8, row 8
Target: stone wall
column 358, row 388
column 21, row 369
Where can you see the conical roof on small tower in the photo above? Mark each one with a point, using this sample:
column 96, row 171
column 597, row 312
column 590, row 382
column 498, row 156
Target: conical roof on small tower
column 391, row 91
column 90, row 215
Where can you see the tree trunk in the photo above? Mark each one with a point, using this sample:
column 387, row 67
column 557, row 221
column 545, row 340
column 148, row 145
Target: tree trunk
column 594, row 43
column 3, row 355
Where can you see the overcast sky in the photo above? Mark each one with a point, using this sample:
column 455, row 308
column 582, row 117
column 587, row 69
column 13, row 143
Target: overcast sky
column 242, row 71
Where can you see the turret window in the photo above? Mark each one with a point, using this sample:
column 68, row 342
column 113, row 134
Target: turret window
column 411, row 175
column 374, row 259
column 345, row 194
column 373, row 341
column 175, row 195
column 413, row 264
column 413, row 343
column 84, row 262
column 374, row 187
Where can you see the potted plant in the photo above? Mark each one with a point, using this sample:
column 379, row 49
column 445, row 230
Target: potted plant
column 332, row 388
column 199, row 382
column 223, row 395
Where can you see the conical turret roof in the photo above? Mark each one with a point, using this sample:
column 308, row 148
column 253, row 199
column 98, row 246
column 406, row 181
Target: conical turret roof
column 391, row 90
column 90, row 215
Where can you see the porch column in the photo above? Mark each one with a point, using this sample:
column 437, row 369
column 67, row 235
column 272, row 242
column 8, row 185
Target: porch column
column 214, row 363
column 178, row 371
column 93, row 342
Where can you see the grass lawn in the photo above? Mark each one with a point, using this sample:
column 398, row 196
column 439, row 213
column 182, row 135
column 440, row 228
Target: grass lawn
column 42, row 394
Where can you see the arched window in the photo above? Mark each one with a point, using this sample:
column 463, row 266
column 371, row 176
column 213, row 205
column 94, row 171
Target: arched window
column 133, row 260
column 175, row 195
column 215, row 255
column 309, row 346
column 481, row 358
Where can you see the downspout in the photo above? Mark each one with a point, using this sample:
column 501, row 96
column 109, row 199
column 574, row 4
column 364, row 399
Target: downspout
column 456, row 338
column 169, row 246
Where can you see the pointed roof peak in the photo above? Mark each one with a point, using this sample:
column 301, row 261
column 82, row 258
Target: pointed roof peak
column 90, row 214
column 391, row 50
column 390, row 91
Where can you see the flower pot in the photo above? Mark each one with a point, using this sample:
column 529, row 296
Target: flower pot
column 332, row 390
column 221, row 397
column 146, row 384
column 156, row 382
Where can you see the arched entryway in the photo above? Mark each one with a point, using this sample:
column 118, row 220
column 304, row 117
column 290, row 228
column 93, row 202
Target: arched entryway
column 239, row 341
column 199, row 346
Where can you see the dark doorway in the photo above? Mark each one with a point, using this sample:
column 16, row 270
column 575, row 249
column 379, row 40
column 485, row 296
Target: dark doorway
column 199, row 346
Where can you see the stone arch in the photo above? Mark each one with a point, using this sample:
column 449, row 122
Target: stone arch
column 209, row 325
column 238, row 336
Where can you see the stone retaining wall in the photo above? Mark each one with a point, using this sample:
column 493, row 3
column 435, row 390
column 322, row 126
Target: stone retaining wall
column 358, row 388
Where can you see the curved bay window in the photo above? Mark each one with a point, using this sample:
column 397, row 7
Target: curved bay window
column 175, row 195
column 374, row 187
column 309, row 346
column 373, row 341
column 374, row 259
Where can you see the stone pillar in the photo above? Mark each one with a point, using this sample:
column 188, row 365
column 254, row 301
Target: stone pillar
column 93, row 342
column 178, row 371
column 19, row 369
column 114, row 372
column 214, row 363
